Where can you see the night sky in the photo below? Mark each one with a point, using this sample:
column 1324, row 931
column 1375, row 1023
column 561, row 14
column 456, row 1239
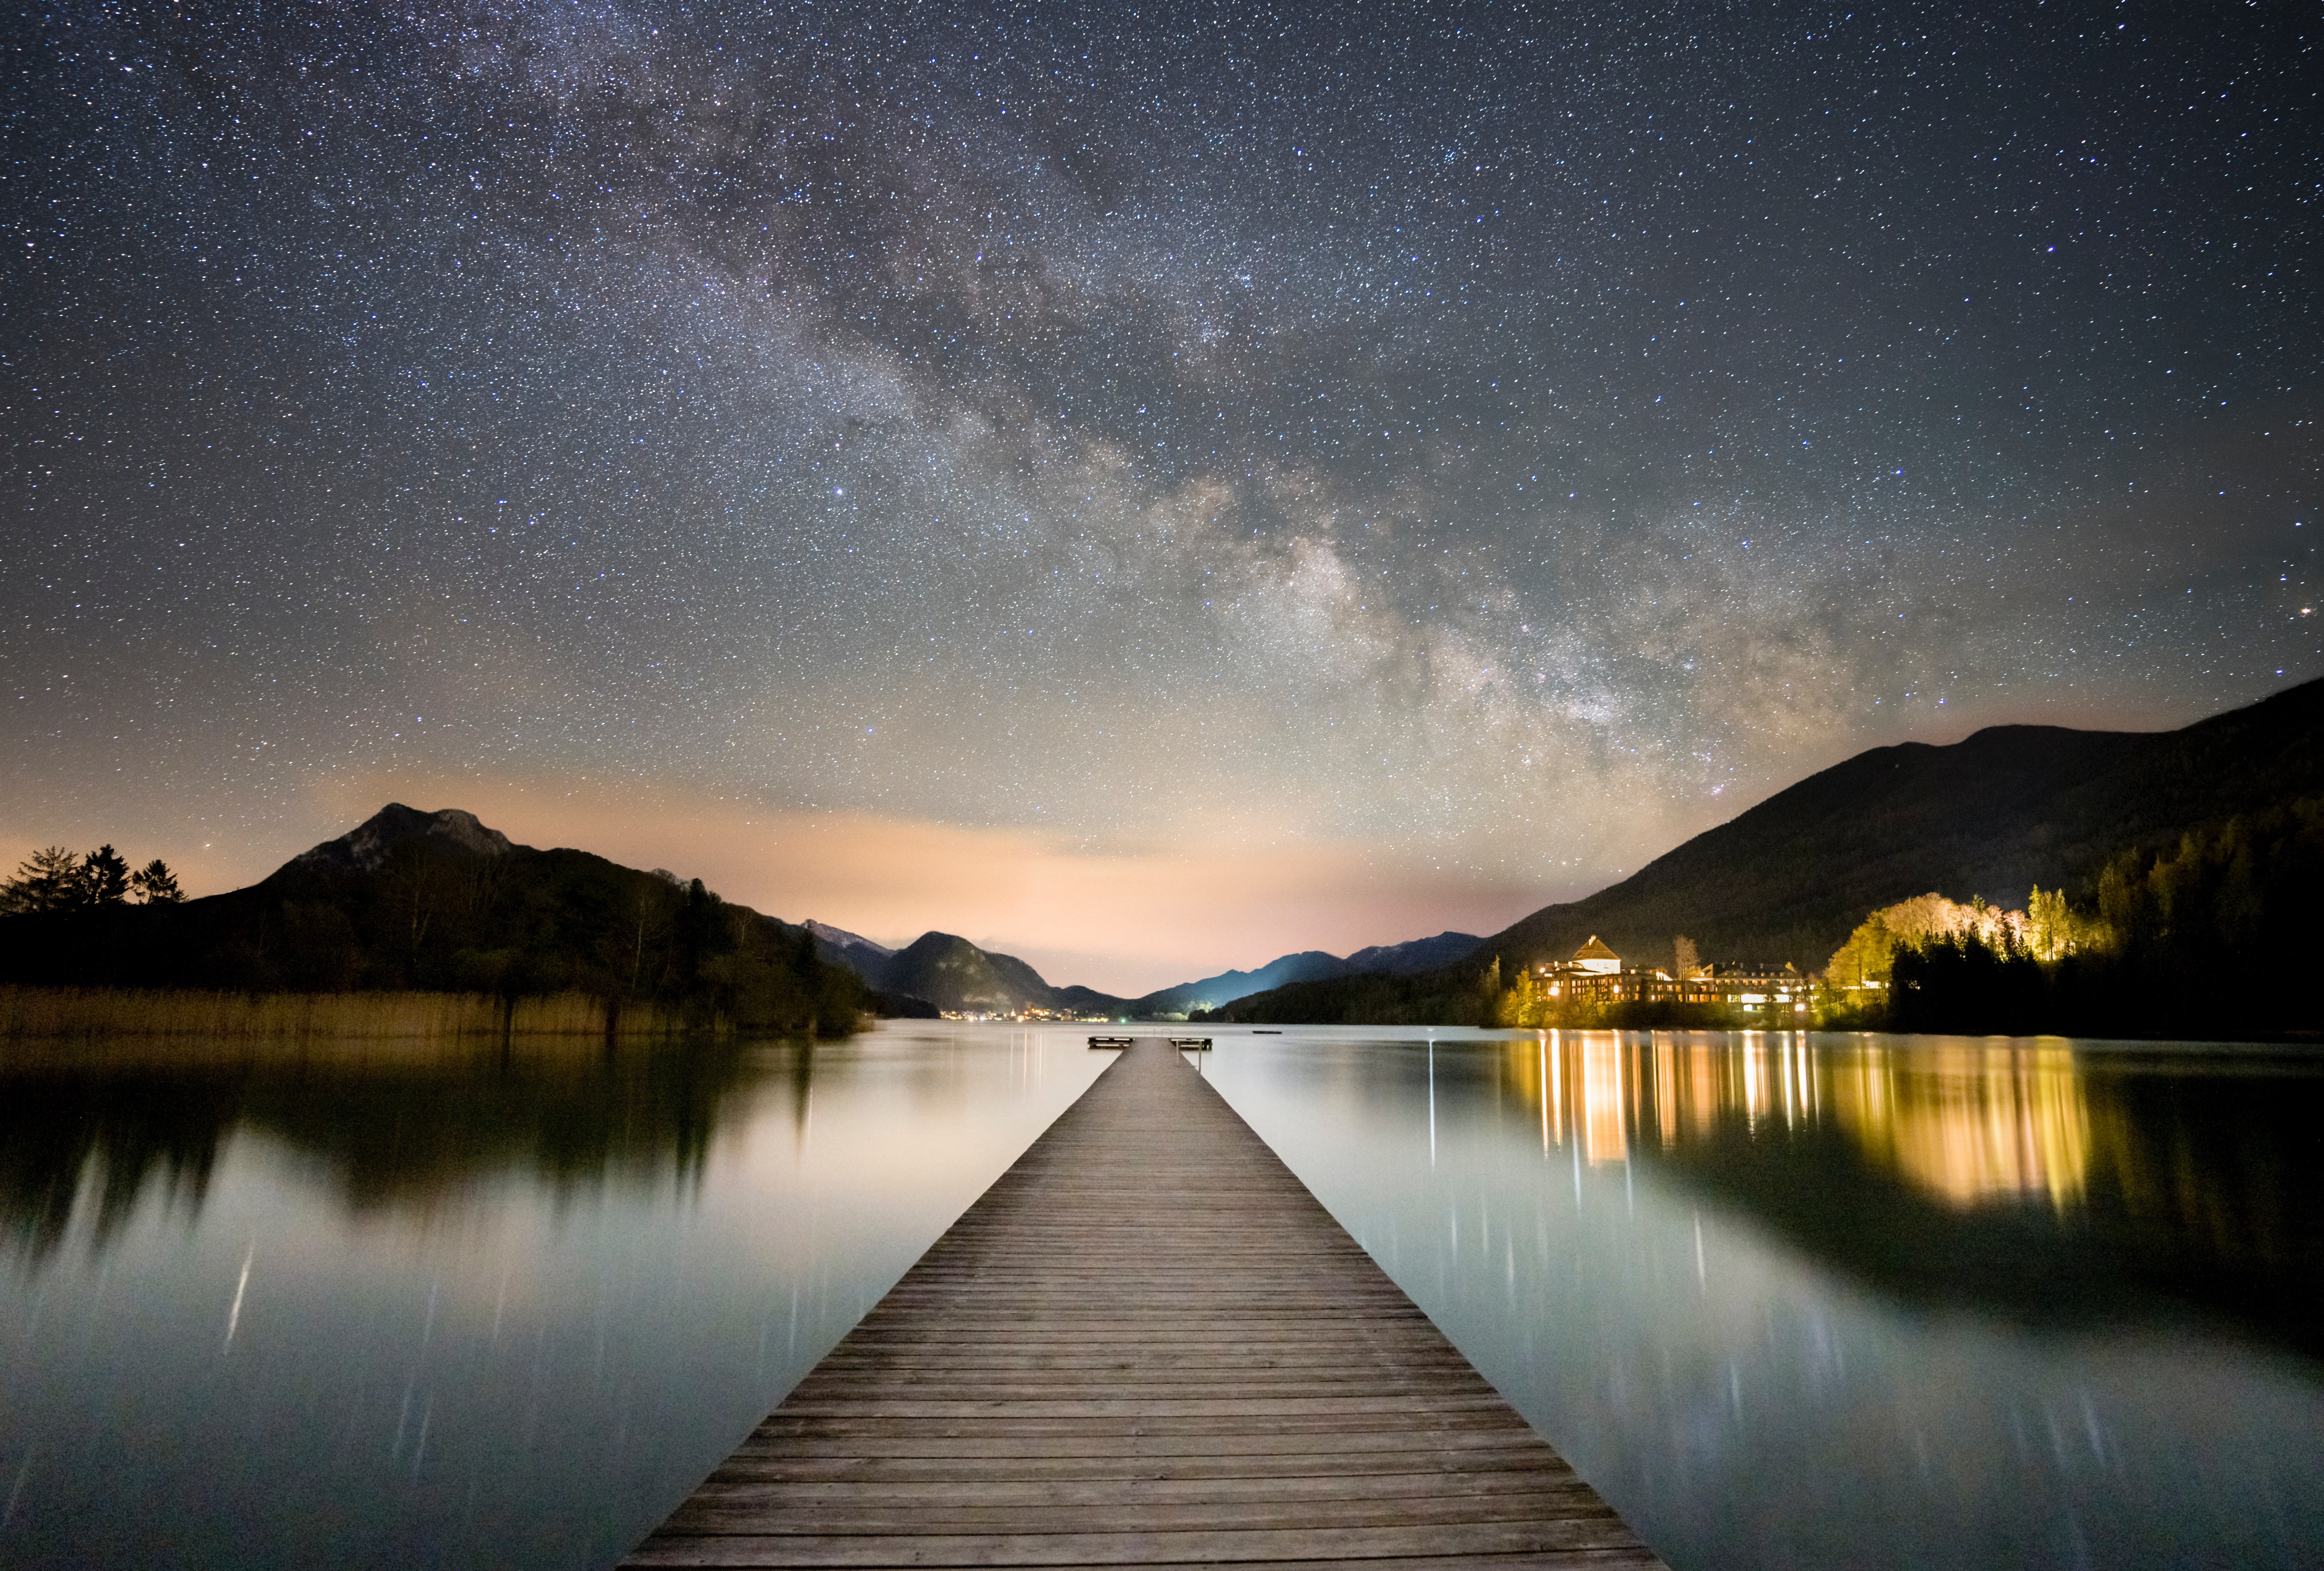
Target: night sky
column 1147, row 487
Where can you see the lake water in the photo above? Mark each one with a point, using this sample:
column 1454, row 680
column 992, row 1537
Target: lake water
column 1786, row 1300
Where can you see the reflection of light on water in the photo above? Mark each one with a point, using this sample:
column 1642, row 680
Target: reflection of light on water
column 1960, row 1420
column 1544, row 1089
column 1968, row 1123
column 1801, row 1102
column 1702, row 1090
column 1556, row 1088
column 1602, row 1105
column 1666, row 1089
column 1963, row 1121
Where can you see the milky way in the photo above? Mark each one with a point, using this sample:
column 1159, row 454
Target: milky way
column 1480, row 444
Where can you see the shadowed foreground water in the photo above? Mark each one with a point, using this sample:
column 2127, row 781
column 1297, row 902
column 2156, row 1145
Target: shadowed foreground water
column 1786, row 1300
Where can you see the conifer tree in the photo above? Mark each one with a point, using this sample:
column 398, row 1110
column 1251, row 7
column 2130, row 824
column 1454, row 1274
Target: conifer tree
column 155, row 884
column 47, row 881
column 104, row 878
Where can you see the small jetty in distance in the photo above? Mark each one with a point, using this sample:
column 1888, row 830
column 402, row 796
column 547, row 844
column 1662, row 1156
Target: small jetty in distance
column 1147, row 1344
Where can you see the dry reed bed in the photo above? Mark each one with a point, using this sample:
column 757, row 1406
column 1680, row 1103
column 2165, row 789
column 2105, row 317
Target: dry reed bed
column 50, row 1015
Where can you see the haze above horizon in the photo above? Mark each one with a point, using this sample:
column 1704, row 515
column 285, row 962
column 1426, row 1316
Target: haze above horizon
column 1150, row 492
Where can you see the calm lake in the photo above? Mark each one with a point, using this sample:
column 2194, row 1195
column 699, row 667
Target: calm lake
column 1786, row 1300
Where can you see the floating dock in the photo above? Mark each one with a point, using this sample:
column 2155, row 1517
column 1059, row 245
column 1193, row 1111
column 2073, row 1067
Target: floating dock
column 1145, row 1344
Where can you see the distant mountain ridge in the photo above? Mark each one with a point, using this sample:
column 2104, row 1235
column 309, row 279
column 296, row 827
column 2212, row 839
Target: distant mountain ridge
column 953, row 974
column 1402, row 959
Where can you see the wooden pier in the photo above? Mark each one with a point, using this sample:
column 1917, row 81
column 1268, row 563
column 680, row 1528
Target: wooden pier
column 1145, row 1344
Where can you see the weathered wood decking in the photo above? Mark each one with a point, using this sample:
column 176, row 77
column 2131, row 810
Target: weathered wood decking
column 1145, row 1344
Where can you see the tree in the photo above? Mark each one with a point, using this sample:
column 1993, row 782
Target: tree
column 155, row 884
column 104, row 878
column 1685, row 961
column 48, row 882
column 1867, row 956
column 2054, row 930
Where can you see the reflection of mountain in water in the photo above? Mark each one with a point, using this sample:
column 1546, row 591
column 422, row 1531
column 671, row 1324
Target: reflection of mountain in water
column 2060, row 1185
column 91, row 1140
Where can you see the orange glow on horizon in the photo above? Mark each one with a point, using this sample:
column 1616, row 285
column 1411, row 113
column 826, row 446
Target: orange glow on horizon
column 1124, row 918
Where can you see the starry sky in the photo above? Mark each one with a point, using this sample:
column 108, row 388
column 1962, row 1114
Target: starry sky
column 1146, row 487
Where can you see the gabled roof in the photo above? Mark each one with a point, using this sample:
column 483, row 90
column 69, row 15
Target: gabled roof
column 1595, row 949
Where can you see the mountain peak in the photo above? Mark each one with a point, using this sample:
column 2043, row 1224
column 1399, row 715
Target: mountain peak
column 368, row 845
column 840, row 937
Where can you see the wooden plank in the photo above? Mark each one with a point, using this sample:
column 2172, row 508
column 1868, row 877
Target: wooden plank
column 909, row 1460
column 726, row 1489
column 752, row 1518
column 1146, row 1343
column 1129, row 1548
column 1219, row 1426
column 1446, row 1447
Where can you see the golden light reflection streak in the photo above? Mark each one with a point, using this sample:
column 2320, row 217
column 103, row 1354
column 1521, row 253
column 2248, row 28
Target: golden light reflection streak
column 1544, row 1045
column 1557, row 1086
column 1636, row 1108
column 1602, row 1102
column 1702, row 1067
column 1970, row 1123
column 1666, row 1089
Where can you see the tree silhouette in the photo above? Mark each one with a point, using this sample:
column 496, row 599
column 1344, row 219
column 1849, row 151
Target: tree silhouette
column 48, row 882
column 104, row 878
column 155, row 884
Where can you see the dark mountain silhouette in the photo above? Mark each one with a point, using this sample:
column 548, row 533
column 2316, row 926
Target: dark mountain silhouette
column 951, row 973
column 1306, row 966
column 1310, row 965
column 841, row 938
column 1415, row 955
column 363, row 847
column 859, row 954
column 2009, row 808
column 411, row 900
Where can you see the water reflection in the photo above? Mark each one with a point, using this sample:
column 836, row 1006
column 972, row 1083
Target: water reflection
column 1793, row 1301
column 1788, row 1301
column 378, row 1308
column 87, row 1143
column 1926, row 1163
column 1971, row 1121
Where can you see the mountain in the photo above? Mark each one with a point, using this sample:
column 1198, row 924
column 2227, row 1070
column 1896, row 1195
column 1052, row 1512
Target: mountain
column 1414, row 954
column 953, row 974
column 946, row 971
column 363, row 847
column 2009, row 808
column 1306, row 966
column 873, row 963
column 858, row 954
column 825, row 933
column 411, row 900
